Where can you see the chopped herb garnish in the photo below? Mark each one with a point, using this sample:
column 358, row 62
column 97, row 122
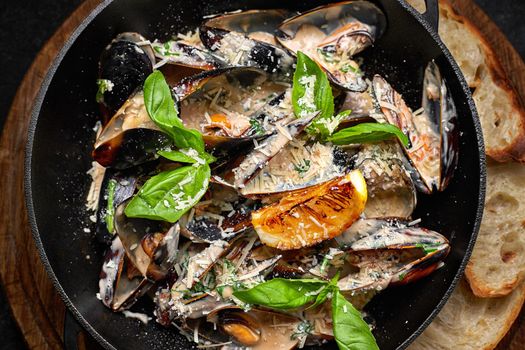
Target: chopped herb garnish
column 110, row 209
column 348, row 67
column 256, row 127
column 428, row 247
column 103, row 86
column 303, row 167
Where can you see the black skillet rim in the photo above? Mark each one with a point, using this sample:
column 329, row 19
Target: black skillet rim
column 42, row 94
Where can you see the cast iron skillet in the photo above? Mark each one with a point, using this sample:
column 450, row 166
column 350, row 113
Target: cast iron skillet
column 61, row 138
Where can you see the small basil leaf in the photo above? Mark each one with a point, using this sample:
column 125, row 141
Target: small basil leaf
column 328, row 290
column 159, row 103
column 170, row 194
column 311, row 93
column 280, row 293
column 368, row 132
column 351, row 332
column 187, row 138
column 161, row 109
column 110, row 208
column 177, row 156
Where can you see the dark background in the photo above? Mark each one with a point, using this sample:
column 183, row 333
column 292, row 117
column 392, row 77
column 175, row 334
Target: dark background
column 25, row 25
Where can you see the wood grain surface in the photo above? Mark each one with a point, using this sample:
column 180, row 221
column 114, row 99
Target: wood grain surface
column 36, row 305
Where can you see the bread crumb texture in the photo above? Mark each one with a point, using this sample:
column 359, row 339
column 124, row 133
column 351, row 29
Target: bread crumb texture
column 497, row 264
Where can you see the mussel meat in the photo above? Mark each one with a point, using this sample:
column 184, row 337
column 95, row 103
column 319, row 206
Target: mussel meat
column 298, row 165
column 378, row 253
column 332, row 34
column 257, row 329
column 433, row 132
column 220, row 104
column 151, row 248
column 391, row 192
column 246, row 39
column 118, row 290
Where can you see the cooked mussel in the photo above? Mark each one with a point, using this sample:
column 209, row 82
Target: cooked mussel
column 220, row 103
column 150, row 247
column 181, row 54
column 379, row 252
column 300, row 164
column 332, row 35
column 257, row 329
column 124, row 66
column 116, row 188
column 391, row 191
column 251, row 164
column 119, row 288
column 130, row 138
column 246, row 39
column 432, row 132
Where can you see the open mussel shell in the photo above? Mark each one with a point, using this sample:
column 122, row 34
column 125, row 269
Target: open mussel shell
column 119, row 288
column 252, row 163
column 300, row 164
column 150, row 246
column 123, row 187
column 220, row 103
column 125, row 63
column 439, row 107
column 182, row 54
column 221, row 215
column 257, row 329
column 381, row 252
column 391, row 191
column 332, row 35
column 433, row 132
column 246, row 39
column 130, row 138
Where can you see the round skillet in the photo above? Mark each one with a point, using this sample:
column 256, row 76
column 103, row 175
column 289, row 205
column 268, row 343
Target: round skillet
column 61, row 138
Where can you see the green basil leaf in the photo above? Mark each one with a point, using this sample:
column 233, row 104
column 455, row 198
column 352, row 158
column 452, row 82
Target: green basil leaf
column 351, row 332
column 159, row 103
column 368, row 132
column 110, row 208
column 170, row 194
column 177, row 156
column 312, row 93
column 161, row 109
column 327, row 291
column 281, row 293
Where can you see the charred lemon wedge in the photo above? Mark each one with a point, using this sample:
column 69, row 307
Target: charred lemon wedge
column 308, row 216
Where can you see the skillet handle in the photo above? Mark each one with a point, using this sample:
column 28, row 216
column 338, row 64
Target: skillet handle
column 431, row 15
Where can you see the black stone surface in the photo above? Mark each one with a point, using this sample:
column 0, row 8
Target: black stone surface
column 25, row 25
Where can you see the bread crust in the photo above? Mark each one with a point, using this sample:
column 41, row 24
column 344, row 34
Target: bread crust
column 482, row 290
column 515, row 150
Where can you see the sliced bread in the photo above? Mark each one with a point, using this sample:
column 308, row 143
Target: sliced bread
column 467, row 322
column 497, row 264
column 501, row 114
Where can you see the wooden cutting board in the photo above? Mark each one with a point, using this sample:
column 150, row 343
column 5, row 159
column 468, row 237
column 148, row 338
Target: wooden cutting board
column 36, row 306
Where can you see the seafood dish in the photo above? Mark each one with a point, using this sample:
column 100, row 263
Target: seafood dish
column 254, row 182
